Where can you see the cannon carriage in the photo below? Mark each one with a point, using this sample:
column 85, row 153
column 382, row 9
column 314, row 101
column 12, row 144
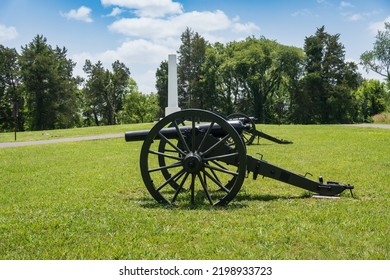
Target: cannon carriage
column 250, row 132
column 196, row 154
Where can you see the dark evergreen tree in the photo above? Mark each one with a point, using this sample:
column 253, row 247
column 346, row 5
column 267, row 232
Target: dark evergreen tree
column 326, row 91
column 191, row 57
column 10, row 91
column 119, row 79
column 49, row 86
column 162, row 87
column 93, row 91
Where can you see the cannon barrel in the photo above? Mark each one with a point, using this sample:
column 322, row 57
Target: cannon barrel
column 171, row 132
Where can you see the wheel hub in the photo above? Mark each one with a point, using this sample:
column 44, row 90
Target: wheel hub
column 193, row 162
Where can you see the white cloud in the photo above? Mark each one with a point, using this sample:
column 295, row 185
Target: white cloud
column 141, row 56
column 115, row 12
column 143, row 27
column 344, row 5
column 83, row 14
column 324, row 2
column 374, row 27
column 202, row 22
column 305, row 13
column 148, row 8
column 360, row 16
column 137, row 51
column 246, row 28
column 355, row 17
column 151, row 35
column 7, row 33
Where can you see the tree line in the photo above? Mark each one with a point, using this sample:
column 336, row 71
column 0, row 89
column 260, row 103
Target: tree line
column 277, row 83
column 257, row 76
column 38, row 85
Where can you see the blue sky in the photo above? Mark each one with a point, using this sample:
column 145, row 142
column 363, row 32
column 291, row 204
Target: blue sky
column 142, row 33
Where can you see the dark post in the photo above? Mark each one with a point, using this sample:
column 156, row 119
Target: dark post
column 15, row 113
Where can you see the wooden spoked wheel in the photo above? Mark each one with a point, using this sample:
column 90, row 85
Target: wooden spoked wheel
column 248, row 133
column 193, row 155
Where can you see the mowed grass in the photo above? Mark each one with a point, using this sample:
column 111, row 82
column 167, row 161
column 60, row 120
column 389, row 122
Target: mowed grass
column 87, row 200
column 70, row 133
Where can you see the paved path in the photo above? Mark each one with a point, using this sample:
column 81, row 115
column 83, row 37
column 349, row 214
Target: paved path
column 371, row 125
column 110, row 136
column 62, row 140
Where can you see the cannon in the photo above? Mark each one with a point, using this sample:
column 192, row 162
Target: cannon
column 198, row 155
column 250, row 133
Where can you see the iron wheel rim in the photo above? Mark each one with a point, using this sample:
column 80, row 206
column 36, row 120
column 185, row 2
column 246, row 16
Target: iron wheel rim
column 191, row 166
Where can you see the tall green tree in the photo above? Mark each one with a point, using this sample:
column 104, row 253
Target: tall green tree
column 49, row 86
column 191, row 57
column 116, row 92
column 138, row 107
column 227, row 81
column 93, row 91
column 326, row 90
column 10, row 90
column 258, row 71
column 215, row 96
column 104, row 92
column 162, row 86
column 378, row 59
column 370, row 100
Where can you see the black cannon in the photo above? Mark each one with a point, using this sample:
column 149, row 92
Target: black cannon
column 196, row 154
column 250, row 132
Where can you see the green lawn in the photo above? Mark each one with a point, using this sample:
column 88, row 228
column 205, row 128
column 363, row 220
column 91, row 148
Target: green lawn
column 69, row 133
column 86, row 200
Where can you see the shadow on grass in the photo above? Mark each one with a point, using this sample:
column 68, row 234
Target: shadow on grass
column 202, row 204
column 268, row 197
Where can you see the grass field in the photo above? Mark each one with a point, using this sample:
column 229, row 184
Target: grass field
column 86, row 200
column 69, row 133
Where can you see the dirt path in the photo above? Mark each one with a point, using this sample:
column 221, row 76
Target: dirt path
column 62, row 140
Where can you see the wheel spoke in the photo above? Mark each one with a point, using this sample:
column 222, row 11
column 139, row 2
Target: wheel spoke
column 204, row 185
column 215, row 176
column 227, row 171
column 205, row 136
column 180, row 187
column 177, row 175
column 164, row 155
column 217, row 182
column 192, row 187
column 181, row 138
column 176, row 164
column 220, row 157
column 170, row 143
column 221, row 141
column 193, row 135
column 219, row 165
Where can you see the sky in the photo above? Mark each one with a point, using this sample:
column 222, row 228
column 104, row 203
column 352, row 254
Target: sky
column 142, row 34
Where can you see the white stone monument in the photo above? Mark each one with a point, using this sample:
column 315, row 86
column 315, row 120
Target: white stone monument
column 173, row 102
